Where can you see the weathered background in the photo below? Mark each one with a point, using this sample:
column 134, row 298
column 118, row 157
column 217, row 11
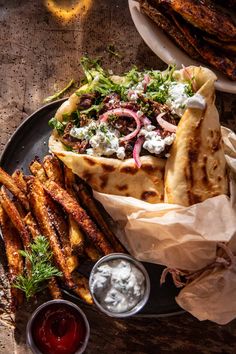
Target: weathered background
column 41, row 43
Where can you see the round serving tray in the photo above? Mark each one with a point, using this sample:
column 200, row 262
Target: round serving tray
column 30, row 140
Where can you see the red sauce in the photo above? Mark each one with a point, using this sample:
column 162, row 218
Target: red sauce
column 59, row 329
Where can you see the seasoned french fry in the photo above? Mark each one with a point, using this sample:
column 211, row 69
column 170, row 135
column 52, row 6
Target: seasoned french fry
column 34, row 230
column 72, row 262
column 32, row 225
column 79, row 214
column 18, row 177
column 37, row 170
column 54, row 172
column 59, row 222
column 15, row 262
column 89, row 203
column 75, row 234
column 10, row 184
column 62, row 229
column 55, row 213
column 38, row 203
column 53, row 169
column 54, row 289
column 15, row 218
column 21, row 183
column 82, row 288
column 92, row 253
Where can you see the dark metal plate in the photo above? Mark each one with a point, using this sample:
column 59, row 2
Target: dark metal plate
column 30, row 140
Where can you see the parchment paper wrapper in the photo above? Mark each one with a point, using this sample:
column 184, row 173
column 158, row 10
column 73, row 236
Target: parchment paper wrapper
column 186, row 238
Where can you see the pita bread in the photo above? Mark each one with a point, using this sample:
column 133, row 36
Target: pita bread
column 113, row 176
column 196, row 168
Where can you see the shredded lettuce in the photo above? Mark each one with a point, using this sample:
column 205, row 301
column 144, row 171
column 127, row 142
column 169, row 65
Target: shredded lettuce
column 100, row 83
column 55, row 124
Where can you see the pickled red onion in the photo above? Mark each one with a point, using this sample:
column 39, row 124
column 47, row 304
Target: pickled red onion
column 145, row 82
column 136, row 152
column 145, row 120
column 164, row 124
column 123, row 112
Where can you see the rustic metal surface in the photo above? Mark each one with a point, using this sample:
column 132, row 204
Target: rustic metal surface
column 40, row 47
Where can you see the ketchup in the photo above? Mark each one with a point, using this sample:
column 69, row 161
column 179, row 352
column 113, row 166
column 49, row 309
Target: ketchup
column 59, row 329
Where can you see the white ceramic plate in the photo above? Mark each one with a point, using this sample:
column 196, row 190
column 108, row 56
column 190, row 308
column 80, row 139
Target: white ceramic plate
column 162, row 46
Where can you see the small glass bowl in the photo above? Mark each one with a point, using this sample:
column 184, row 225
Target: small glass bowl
column 138, row 307
column 29, row 335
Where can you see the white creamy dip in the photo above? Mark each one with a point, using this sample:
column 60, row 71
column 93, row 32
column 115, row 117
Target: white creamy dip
column 102, row 139
column 118, row 285
column 196, row 101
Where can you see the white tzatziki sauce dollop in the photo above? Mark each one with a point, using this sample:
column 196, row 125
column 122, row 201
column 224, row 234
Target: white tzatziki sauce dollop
column 196, row 101
column 179, row 99
column 118, row 285
column 103, row 140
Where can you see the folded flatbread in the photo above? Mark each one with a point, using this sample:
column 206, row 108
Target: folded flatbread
column 113, row 176
column 196, row 168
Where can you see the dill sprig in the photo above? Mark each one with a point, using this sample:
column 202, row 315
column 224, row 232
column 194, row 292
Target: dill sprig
column 40, row 259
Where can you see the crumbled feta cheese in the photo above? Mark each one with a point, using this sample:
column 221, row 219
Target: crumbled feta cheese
column 147, row 128
column 139, row 113
column 134, row 96
column 111, row 101
column 154, row 143
column 84, row 133
column 140, row 86
column 179, row 100
column 103, row 141
column 96, row 79
column 120, row 153
column 169, row 139
column 177, row 97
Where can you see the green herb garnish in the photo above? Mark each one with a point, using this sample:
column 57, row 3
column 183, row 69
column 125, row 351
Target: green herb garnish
column 188, row 89
column 100, row 81
column 40, row 260
column 60, row 93
column 158, row 88
column 55, row 124
column 103, row 128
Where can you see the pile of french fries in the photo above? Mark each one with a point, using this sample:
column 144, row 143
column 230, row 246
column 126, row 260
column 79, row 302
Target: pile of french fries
column 55, row 203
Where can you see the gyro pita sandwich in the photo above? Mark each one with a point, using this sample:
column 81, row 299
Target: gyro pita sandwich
column 116, row 132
